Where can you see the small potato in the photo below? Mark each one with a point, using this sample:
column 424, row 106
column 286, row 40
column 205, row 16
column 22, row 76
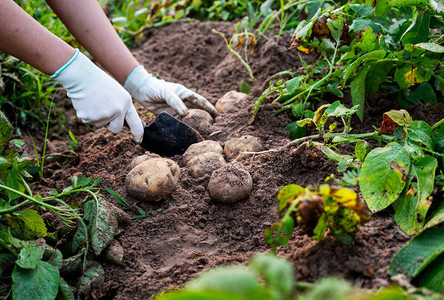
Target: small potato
column 198, row 119
column 201, row 147
column 205, row 163
column 230, row 102
column 141, row 158
column 246, row 143
column 230, row 184
column 153, row 179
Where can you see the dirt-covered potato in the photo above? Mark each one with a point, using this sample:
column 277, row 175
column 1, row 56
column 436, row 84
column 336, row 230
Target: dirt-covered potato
column 153, row 179
column 201, row 147
column 205, row 163
column 142, row 158
column 246, row 143
column 230, row 184
column 230, row 102
column 198, row 119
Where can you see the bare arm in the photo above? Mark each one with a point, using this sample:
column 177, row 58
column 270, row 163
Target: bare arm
column 86, row 20
column 24, row 38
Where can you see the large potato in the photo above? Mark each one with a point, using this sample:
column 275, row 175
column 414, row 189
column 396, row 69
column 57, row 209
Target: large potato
column 198, row 119
column 230, row 102
column 246, row 143
column 201, row 147
column 230, row 184
column 153, row 179
column 205, row 163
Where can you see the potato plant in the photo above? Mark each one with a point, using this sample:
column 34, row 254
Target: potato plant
column 326, row 209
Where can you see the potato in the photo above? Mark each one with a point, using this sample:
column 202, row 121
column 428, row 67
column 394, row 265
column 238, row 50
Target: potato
column 142, row 158
column 201, row 147
column 246, row 143
column 198, row 119
column 205, row 163
column 153, row 179
column 230, row 184
column 230, row 102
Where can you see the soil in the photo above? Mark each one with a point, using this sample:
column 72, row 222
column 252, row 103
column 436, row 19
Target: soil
column 188, row 232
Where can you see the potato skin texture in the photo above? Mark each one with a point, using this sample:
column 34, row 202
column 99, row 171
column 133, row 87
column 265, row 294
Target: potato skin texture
column 201, row 147
column 198, row 119
column 230, row 102
column 153, row 179
column 139, row 159
column 246, row 143
column 205, row 163
column 230, row 184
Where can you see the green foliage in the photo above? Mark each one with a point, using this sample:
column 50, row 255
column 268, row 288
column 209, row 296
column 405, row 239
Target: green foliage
column 326, row 208
column 402, row 173
column 367, row 48
column 36, row 266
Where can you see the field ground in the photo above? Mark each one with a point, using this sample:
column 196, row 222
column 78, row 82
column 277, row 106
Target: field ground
column 189, row 232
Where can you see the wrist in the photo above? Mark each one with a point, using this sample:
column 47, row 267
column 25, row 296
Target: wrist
column 136, row 80
column 78, row 74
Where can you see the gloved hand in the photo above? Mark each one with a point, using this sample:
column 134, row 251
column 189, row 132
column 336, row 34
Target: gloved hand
column 158, row 95
column 97, row 98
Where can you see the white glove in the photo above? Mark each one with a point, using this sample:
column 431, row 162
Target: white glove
column 97, row 98
column 158, row 95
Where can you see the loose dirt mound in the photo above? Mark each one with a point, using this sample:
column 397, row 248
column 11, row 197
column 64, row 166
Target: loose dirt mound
column 188, row 232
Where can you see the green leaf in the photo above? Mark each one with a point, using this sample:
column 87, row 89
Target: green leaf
column 294, row 83
column 33, row 222
column 412, row 206
column 29, row 256
column 421, row 133
column 433, row 276
column 381, row 8
column 424, row 92
column 295, row 130
column 238, row 280
column 437, row 217
column 374, row 55
column 14, row 181
column 116, row 196
column 362, row 148
column 65, row 292
column 288, row 193
column 278, row 272
column 6, row 131
column 41, row 283
column 401, row 3
column 418, row 253
column 93, row 276
column 383, row 175
column 337, row 109
column 358, row 91
column 432, row 47
column 103, row 226
column 336, row 26
column 418, row 31
column 376, row 76
column 244, row 87
column 368, row 40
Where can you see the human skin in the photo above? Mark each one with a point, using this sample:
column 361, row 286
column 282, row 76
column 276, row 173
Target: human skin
column 88, row 23
column 26, row 39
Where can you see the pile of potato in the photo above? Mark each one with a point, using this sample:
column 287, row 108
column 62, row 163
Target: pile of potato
column 152, row 177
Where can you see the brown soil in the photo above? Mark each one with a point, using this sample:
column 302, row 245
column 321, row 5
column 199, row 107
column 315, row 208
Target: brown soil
column 189, row 232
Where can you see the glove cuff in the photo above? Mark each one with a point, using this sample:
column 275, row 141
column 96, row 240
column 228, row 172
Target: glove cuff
column 79, row 74
column 136, row 80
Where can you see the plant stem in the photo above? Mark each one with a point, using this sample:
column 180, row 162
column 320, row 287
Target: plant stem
column 368, row 135
column 239, row 57
column 438, row 124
